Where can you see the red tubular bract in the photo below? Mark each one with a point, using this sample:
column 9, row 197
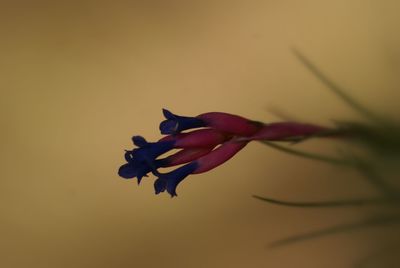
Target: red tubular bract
column 186, row 155
column 229, row 123
column 219, row 156
column 286, row 130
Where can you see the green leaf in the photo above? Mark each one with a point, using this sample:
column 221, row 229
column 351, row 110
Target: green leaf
column 337, row 203
column 338, row 90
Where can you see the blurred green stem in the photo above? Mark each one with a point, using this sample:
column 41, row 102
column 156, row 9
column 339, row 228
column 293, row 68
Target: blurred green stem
column 363, row 167
column 336, row 88
column 339, row 203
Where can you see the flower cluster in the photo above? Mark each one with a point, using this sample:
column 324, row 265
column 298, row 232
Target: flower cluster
column 217, row 138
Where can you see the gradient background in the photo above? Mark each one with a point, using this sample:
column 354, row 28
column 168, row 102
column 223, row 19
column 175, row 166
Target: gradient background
column 78, row 79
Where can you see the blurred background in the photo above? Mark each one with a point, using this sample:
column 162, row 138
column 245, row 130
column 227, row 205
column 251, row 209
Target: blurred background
column 79, row 78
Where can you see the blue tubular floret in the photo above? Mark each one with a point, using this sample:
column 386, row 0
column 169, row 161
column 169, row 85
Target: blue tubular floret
column 175, row 124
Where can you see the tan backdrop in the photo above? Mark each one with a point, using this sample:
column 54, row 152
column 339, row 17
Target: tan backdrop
column 78, row 79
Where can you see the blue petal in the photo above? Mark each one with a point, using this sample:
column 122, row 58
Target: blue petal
column 175, row 123
column 160, row 185
column 142, row 160
column 127, row 171
column 142, row 171
column 167, row 114
column 158, row 148
column 170, row 181
column 149, row 152
column 128, row 156
column 169, row 127
column 139, row 141
column 131, row 170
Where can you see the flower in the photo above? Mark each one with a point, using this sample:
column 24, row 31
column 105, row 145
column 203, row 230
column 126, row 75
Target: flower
column 216, row 138
column 175, row 123
column 183, row 156
column 198, row 138
column 224, row 122
column 169, row 181
column 142, row 160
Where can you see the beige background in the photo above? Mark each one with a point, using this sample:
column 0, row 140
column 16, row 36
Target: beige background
column 78, row 79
